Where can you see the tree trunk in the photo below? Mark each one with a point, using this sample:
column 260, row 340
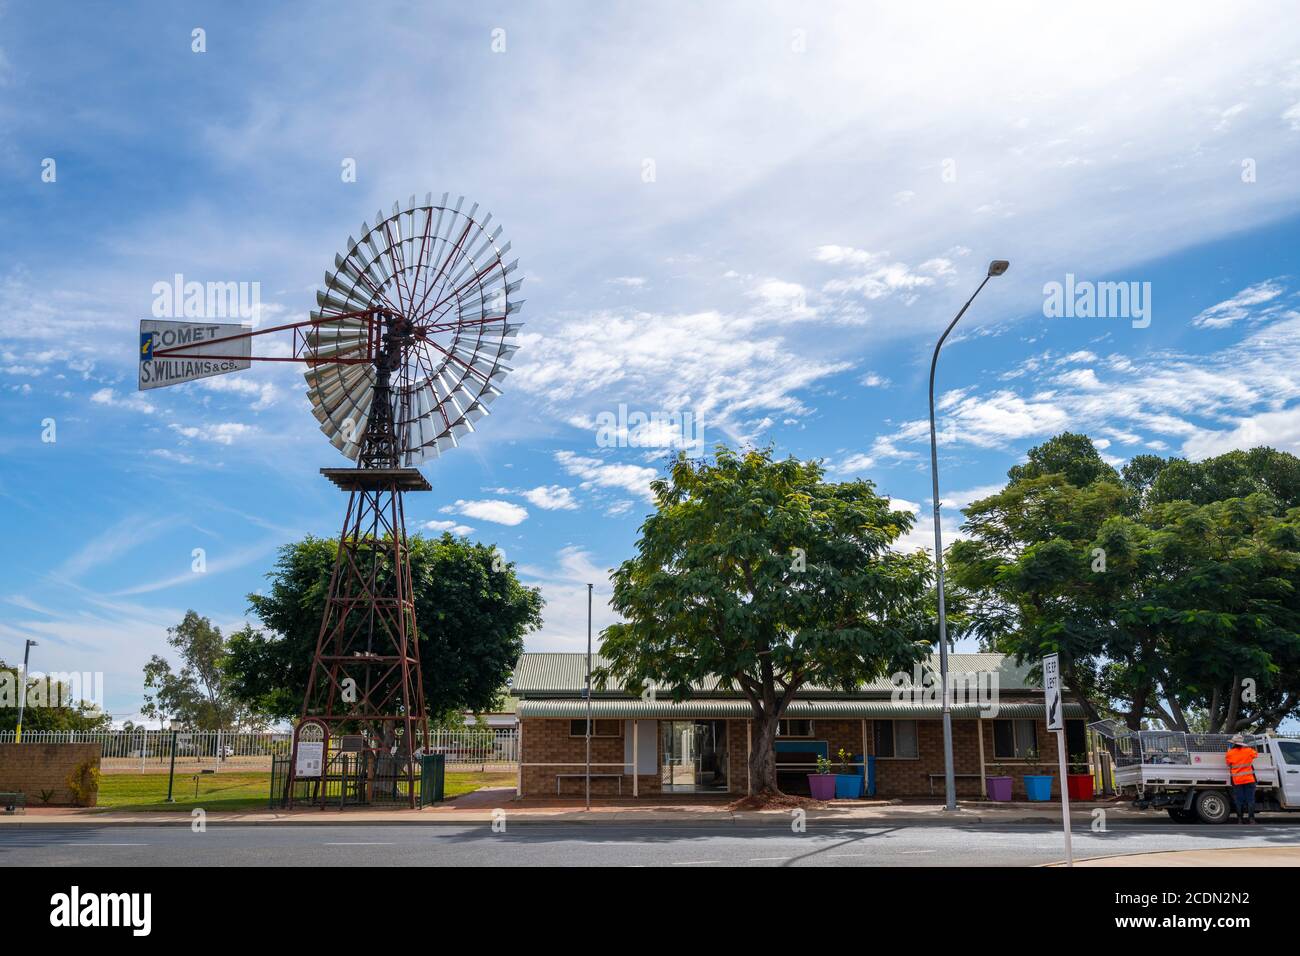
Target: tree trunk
column 762, row 758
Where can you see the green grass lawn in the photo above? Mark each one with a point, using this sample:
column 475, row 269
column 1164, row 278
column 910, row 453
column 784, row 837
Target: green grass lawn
column 235, row 789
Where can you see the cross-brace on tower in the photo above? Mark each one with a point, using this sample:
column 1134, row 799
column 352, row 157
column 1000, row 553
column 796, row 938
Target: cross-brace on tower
column 365, row 674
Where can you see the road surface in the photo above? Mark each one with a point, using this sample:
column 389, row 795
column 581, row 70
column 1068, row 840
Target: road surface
column 535, row 844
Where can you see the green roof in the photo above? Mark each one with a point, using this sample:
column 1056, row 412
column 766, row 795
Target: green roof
column 557, row 674
column 713, row 708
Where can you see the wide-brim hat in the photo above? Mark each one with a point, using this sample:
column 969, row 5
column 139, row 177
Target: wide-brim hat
column 1238, row 739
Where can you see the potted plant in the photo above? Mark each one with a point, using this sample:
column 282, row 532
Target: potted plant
column 822, row 783
column 1038, row 786
column 848, row 785
column 1080, row 784
column 999, row 785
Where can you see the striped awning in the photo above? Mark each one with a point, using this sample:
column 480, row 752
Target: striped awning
column 705, row 709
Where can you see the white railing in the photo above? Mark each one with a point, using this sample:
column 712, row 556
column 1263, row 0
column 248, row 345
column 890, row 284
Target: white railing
column 482, row 749
column 146, row 751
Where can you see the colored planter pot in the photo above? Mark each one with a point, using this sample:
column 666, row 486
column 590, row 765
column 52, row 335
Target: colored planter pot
column 1038, row 786
column 1080, row 786
column 822, row 786
column 848, row 786
column 999, row 788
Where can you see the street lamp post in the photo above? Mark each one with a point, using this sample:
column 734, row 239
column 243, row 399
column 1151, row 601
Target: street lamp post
column 589, row 588
column 996, row 268
column 22, row 691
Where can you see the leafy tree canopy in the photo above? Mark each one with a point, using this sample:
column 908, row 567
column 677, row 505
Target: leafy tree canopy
column 199, row 695
column 1070, row 455
column 471, row 611
column 758, row 572
column 1177, row 609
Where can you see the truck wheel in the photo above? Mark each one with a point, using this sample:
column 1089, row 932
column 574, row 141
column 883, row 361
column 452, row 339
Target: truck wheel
column 1213, row 806
column 1179, row 815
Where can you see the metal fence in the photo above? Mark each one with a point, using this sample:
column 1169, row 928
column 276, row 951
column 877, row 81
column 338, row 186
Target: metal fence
column 150, row 751
column 359, row 779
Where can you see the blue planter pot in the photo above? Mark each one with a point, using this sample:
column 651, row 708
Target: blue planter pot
column 1038, row 787
column 848, row 786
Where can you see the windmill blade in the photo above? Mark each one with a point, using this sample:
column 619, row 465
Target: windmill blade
column 440, row 267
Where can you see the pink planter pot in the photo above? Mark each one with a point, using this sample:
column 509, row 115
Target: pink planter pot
column 822, row 786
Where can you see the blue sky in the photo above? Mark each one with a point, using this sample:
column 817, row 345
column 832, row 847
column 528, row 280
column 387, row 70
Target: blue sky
column 760, row 214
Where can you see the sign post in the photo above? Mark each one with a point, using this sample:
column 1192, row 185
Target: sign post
column 1056, row 721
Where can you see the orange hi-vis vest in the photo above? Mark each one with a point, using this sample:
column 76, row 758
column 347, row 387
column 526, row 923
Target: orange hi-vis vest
column 1240, row 761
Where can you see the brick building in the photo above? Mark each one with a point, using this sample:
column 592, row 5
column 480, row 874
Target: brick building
column 650, row 745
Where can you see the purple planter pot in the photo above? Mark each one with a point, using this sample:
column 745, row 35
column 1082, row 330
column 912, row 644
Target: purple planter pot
column 822, row 786
column 999, row 788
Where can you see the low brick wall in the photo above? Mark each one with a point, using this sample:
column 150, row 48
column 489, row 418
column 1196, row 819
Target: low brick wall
column 32, row 768
column 547, row 741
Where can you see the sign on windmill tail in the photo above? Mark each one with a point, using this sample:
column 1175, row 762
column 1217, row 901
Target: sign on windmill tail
column 203, row 352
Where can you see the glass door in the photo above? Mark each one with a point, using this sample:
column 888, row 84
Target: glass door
column 694, row 755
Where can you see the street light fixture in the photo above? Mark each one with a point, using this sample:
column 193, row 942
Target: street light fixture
column 996, row 268
column 22, row 691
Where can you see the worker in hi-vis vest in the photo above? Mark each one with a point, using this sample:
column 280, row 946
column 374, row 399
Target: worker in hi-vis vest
column 1241, row 765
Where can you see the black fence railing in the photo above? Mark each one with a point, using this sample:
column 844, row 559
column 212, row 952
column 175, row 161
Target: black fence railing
column 367, row 778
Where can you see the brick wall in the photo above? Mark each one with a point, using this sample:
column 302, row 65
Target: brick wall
column 31, row 768
column 547, row 741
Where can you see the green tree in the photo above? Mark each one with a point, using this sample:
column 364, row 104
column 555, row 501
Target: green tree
column 1218, row 590
column 1070, row 455
column 198, row 696
column 1236, row 474
column 759, row 573
column 470, row 608
column 50, row 706
column 1160, row 609
column 1026, row 578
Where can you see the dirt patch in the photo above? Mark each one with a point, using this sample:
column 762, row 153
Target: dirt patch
column 776, row 801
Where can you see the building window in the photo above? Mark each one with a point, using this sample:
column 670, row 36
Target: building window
column 794, row 728
column 1013, row 739
column 599, row 728
column 895, row 738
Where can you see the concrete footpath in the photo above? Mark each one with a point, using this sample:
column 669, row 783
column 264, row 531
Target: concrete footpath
column 1251, row 856
column 483, row 806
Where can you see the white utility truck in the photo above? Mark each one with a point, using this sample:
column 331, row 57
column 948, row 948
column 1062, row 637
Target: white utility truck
column 1187, row 775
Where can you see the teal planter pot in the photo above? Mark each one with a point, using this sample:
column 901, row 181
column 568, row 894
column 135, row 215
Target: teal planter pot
column 822, row 786
column 848, row 786
column 1038, row 787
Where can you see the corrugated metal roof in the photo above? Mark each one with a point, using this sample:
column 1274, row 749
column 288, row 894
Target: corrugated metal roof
column 542, row 674
column 716, row 708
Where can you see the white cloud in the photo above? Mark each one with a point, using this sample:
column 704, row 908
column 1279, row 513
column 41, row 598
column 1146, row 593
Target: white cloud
column 455, row 528
column 132, row 401
column 265, row 394
column 221, row 433
column 551, row 498
column 1239, row 307
column 498, row 512
column 596, row 473
column 1250, row 387
column 723, row 368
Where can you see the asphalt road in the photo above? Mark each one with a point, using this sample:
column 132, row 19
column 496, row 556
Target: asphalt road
column 605, row 845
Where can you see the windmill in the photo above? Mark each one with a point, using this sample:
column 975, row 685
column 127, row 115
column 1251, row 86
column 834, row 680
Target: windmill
column 405, row 353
